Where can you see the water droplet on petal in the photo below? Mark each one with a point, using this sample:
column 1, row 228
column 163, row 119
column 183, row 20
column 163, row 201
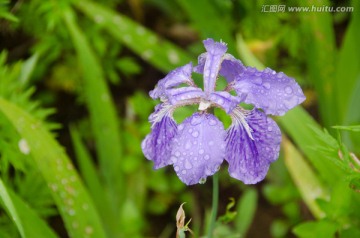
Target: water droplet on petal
column 173, row 159
column 211, row 143
column 288, row 90
column 196, row 120
column 188, row 145
column 258, row 80
column 188, row 165
column 201, row 151
column 176, row 168
column 212, row 122
column 195, row 134
column 270, row 128
column 183, row 172
column 202, row 180
column 266, row 85
column 190, row 130
column 206, row 157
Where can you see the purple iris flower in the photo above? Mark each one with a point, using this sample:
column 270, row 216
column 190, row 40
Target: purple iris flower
column 198, row 146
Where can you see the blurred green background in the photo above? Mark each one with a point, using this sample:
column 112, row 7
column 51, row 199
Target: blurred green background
column 74, row 82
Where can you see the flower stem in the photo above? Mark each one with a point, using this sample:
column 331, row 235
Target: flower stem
column 215, row 201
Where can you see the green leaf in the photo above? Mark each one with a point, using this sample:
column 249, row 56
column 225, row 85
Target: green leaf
column 90, row 176
column 348, row 69
column 159, row 52
column 75, row 206
column 316, row 229
column 215, row 27
column 304, row 177
column 103, row 115
column 300, row 126
column 10, row 208
column 246, row 211
column 321, row 53
column 27, row 221
column 348, row 128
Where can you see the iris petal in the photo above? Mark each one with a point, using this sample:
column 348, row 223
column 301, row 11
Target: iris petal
column 215, row 53
column 198, row 148
column 251, row 146
column 157, row 145
column 174, row 78
column 273, row 92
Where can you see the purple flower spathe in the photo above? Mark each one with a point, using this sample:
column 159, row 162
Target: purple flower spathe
column 197, row 147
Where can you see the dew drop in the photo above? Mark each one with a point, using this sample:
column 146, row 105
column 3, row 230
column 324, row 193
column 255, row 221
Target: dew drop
column 24, row 147
column 211, row 143
column 288, row 90
column 188, row 145
column 195, row 120
column 212, row 122
column 89, row 230
column 195, row 134
column 177, row 153
column 258, row 80
column 183, row 172
column 201, row 151
column 188, row 165
column 206, row 157
column 190, row 130
column 173, row 159
column 176, row 168
column 267, row 85
column 202, row 180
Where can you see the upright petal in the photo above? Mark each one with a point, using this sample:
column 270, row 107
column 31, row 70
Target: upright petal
column 174, row 78
column 198, row 148
column 157, row 145
column 273, row 92
column 214, row 57
column 252, row 143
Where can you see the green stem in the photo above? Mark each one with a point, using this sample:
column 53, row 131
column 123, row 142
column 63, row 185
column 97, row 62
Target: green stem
column 215, row 201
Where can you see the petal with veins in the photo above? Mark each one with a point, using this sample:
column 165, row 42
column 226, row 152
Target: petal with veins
column 273, row 92
column 198, row 148
column 249, row 157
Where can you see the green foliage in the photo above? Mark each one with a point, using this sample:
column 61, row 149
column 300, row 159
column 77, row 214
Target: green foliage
column 106, row 55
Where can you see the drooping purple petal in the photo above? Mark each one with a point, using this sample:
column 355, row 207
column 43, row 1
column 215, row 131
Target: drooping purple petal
column 231, row 68
column 252, row 143
column 185, row 93
column 174, row 78
column 198, row 148
column 215, row 53
column 273, row 92
column 225, row 100
column 157, row 145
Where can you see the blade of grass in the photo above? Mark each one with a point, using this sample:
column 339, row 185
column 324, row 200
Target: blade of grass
column 148, row 45
column 348, row 69
column 27, row 221
column 104, row 121
column 215, row 26
column 75, row 206
column 91, row 178
column 321, row 52
column 10, row 208
column 305, row 178
column 246, row 211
